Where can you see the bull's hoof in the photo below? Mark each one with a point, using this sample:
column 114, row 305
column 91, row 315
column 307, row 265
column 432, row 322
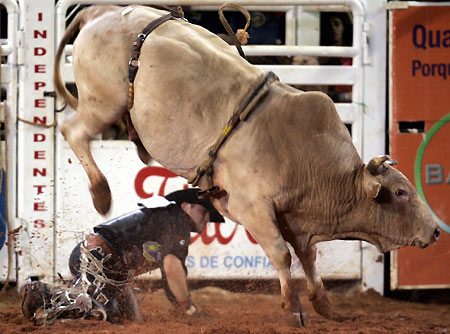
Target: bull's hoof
column 322, row 306
column 295, row 319
column 101, row 196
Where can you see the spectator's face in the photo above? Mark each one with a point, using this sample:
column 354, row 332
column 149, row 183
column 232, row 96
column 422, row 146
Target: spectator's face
column 198, row 214
column 337, row 28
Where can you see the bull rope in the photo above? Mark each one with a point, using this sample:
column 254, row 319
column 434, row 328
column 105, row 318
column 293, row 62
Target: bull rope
column 63, row 300
column 90, row 265
column 38, row 124
column 236, row 38
column 76, row 296
column 206, row 168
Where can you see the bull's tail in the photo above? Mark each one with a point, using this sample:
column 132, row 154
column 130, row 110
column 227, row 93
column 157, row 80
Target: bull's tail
column 60, row 88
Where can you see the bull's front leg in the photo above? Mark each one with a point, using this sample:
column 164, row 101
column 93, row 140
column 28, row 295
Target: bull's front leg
column 259, row 219
column 317, row 293
column 78, row 133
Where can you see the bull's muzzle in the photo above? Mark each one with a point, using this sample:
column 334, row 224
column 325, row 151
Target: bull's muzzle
column 422, row 244
column 437, row 233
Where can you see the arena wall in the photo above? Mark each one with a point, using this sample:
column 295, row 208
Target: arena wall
column 54, row 209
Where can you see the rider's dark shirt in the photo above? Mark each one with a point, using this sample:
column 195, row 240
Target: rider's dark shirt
column 168, row 226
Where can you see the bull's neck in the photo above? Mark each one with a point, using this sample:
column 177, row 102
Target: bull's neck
column 365, row 213
column 348, row 205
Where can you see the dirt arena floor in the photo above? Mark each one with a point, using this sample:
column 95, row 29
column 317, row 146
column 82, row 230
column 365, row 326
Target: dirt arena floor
column 251, row 312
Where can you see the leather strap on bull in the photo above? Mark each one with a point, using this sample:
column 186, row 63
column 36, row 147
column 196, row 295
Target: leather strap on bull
column 240, row 114
column 241, row 35
column 133, row 64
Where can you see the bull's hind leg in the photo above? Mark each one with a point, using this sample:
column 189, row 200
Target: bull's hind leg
column 78, row 131
column 259, row 219
column 317, row 294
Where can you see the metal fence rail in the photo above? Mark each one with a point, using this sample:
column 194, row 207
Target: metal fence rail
column 350, row 113
column 8, row 78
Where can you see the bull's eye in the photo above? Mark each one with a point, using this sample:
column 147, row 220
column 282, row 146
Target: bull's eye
column 400, row 192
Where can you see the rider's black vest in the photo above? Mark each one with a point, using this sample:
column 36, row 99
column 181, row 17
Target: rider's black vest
column 140, row 226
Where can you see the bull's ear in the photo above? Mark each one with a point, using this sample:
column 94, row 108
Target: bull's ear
column 373, row 189
column 370, row 185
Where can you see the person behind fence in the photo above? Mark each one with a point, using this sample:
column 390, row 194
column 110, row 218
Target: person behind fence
column 336, row 29
column 155, row 236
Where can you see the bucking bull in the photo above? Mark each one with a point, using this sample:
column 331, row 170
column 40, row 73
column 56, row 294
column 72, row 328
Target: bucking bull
column 289, row 172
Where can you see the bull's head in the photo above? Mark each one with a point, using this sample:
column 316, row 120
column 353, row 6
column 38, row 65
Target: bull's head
column 401, row 216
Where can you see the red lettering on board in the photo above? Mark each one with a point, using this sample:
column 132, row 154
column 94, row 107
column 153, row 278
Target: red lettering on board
column 39, row 223
column 39, row 189
column 39, row 84
column 42, row 172
column 39, row 155
column 250, row 237
column 206, row 239
column 42, row 34
column 147, row 172
column 38, row 137
column 39, row 206
column 39, row 103
column 38, row 120
column 39, row 51
column 40, row 68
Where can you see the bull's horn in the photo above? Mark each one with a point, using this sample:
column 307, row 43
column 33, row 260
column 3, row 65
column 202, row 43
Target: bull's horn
column 373, row 167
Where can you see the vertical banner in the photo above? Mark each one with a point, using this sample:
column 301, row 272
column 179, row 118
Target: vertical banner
column 36, row 142
column 420, row 133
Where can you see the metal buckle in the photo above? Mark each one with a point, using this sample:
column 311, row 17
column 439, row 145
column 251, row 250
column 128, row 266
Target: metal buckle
column 134, row 62
column 208, row 192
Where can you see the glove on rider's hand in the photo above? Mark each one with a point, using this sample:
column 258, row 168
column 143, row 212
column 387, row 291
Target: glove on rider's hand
column 195, row 313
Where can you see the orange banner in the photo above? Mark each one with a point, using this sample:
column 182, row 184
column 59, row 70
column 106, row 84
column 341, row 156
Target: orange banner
column 420, row 132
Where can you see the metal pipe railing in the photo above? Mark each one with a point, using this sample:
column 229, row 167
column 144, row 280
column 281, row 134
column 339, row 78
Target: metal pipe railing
column 287, row 50
column 252, row 50
column 13, row 11
column 355, row 5
column 356, row 51
column 10, row 49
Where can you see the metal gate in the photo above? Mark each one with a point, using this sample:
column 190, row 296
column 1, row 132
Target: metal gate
column 8, row 108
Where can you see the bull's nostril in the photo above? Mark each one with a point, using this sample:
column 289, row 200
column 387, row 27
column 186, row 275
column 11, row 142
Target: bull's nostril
column 437, row 233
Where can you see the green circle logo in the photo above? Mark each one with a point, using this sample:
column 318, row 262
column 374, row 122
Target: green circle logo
column 418, row 166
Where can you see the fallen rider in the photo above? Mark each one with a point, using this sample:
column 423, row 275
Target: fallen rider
column 155, row 236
